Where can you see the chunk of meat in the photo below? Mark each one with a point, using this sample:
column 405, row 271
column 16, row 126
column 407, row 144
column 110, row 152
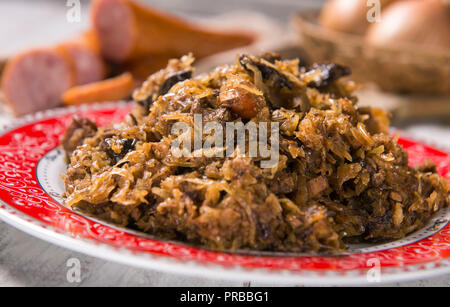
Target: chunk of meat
column 242, row 97
column 317, row 186
column 78, row 130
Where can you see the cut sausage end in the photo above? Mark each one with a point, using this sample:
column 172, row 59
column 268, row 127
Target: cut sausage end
column 113, row 21
column 88, row 65
column 35, row 80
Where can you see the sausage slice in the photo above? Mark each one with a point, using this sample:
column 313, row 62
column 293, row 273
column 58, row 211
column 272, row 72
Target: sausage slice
column 35, row 80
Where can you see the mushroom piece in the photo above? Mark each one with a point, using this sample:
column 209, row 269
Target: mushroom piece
column 327, row 74
column 280, row 88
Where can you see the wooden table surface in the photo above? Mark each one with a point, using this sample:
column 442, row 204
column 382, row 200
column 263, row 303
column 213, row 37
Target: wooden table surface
column 27, row 261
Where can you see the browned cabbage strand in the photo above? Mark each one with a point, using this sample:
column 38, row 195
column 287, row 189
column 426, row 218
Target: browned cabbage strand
column 340, row 176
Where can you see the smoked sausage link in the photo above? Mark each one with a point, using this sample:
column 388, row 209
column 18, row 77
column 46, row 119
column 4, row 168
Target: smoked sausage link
column 128, row 31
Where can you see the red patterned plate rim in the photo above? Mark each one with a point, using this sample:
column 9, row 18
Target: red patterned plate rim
column 28, row 207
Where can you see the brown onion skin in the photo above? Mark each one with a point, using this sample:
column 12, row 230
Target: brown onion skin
column 349, row 16
column 421, row 22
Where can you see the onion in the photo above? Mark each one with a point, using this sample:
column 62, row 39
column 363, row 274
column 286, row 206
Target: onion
column 348, row 16
column 421, row 22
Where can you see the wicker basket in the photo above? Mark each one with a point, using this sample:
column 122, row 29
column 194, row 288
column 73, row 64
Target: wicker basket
column 403, row 69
